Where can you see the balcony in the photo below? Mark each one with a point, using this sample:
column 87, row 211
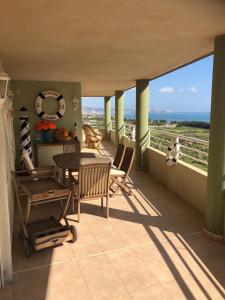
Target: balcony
column 151, row 247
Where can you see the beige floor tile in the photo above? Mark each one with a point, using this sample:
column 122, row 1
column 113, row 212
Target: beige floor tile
column 108, row 236
column 37, row 295
column 102, row 280
column 86, row 243
column 164, row 269
column 51, row 283
column 178, row 291
column 148, row 252
column 133, row 271
column 73, row 290
column 5, row 293
column 40, row 258
column 155, row 292
column 150, row 248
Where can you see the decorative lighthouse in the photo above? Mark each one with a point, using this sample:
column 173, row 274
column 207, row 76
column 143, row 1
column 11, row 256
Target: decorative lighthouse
column 25, row 140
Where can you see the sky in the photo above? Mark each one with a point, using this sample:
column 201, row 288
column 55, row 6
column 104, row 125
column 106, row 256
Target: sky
column 185, row 90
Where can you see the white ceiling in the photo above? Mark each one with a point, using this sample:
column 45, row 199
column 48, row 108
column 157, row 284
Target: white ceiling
column 105, row 45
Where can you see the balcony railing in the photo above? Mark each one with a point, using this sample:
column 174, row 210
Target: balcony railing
column 94, row 121
column 193, row 150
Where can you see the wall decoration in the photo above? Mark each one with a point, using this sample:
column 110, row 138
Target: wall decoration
column 75, row 103
column 25, row 140
column 61, row 105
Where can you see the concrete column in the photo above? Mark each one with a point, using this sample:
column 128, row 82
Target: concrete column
column 119, row 115
column 142, row 130
column 108, row 119
column 214, row 218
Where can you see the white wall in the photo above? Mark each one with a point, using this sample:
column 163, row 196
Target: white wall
column 7, row 160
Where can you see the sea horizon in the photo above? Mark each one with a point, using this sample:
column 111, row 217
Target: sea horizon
column 174, row 116
column 168, row 116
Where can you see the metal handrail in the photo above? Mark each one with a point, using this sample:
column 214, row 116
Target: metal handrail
column 183, row 137
column 183, row 146
column 159, row 143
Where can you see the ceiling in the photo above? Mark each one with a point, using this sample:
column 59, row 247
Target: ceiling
column 105, row 45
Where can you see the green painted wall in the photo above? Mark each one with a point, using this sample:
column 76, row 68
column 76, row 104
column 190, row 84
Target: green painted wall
column 25, row 93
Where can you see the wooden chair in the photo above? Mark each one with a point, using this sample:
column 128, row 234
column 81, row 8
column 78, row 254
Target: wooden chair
column 93, row 181
column 119, row 155
column 119, row 176
column 92, row 137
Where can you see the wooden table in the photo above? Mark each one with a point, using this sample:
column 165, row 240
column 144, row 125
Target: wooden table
column 71, row 161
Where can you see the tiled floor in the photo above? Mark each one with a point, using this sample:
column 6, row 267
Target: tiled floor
column 151, row 247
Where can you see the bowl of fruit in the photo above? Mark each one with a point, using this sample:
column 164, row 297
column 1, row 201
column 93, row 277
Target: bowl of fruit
column 62, row 134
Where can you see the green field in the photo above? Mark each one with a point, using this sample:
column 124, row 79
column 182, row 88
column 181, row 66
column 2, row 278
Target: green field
column 197, row 152
column 199, row 133
column 194, row 153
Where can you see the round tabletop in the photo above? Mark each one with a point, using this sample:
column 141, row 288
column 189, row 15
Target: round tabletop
column 71, row 161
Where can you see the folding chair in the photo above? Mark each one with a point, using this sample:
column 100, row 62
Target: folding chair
column 93, row 181
column 119, row 176
column 119, row 155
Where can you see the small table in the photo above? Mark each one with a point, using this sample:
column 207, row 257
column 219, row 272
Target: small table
column 71, row 161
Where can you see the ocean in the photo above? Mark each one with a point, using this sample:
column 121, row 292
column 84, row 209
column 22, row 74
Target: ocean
column 175, row 116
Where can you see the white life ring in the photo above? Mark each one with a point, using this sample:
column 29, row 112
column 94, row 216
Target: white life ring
column 61, row 105
column 173, row 153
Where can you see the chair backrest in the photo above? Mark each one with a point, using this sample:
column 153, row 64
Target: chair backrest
column 27, row 161
column 127, row 160
column 93, row 177
column 119, row 155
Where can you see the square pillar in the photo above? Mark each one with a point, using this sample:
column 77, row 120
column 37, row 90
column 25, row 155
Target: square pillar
column 119, row 116
column 214, row 217
column 108, row 118
column 142, row 129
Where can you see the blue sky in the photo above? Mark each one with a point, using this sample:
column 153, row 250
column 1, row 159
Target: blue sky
column 185, row 90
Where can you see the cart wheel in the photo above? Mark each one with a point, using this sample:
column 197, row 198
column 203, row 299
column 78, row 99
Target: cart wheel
column 27, row 247
column 74, row 233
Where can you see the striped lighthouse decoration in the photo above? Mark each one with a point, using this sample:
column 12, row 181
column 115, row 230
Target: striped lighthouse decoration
column 25, row 140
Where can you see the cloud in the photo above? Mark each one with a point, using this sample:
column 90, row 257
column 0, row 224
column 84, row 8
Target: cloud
column 167, row 90
column 190, row 89
column 193, row 89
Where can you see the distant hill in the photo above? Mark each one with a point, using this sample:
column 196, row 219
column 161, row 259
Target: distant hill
column 100, row 111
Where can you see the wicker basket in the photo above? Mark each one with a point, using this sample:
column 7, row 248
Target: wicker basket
column 62, row 138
